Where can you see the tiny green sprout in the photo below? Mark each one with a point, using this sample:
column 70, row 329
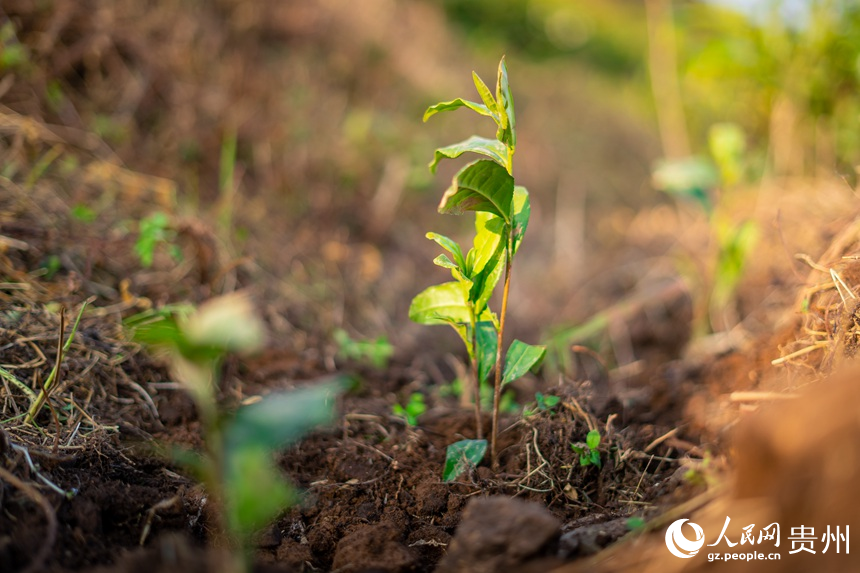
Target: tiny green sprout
column 83, row 213
column 588, row 452
column 376, row 352
column 543, row 403
column 635, row 523
column 414, row 408
column 485, row 187
column 153, row 231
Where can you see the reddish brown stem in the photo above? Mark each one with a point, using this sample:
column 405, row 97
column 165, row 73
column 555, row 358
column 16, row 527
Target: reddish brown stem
column 497, row 386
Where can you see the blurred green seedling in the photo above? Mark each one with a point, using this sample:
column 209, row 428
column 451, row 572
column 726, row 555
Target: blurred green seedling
column 375, row 352
column 155, row 230
column 588, row 453
column 542, row 403
column 237, row 466
column 414, row 408
column 485, row 187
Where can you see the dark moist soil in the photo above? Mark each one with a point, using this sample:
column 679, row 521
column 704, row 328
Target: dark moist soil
column 374, row 497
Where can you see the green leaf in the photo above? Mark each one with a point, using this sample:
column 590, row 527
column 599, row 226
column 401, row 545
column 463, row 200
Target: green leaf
column 227, row 323
column 522, row 212
column 281, row 418
column 485, row 260
column 489, row 233
column 492, row 148
column 691, row 178
column 444, row 262
column 450, row 246
column 486, row 95
column 592, row 439
column 505, row 100
column 455, row 104
column 487, row 339
column 480, row 186
column 520, row 359
column 461, row 456
column 255, row 490
column 441, row 304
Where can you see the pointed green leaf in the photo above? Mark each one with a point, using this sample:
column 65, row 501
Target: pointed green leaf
column 487, row 339
column 281, row 418
column 592, row 439
column 461, row 456
column 444, row 262
column 450, row 246
column 255, row 490
column 489, row 233
column 520, row 359
column 522, row 212
column 441, row 304
column 480, row 186
column 486, row 95
column 455, row 104
column 506, row 101
column 492, row 148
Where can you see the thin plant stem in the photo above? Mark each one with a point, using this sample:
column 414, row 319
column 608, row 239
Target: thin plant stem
column 476, row 383
column 497, row 386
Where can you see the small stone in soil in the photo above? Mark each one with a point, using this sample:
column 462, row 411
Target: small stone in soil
column 499, row 534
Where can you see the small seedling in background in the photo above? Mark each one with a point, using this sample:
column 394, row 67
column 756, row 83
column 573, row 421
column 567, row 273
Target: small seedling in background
column 463, row 456
column 542, row 404
column 502, row 211
column 694, row 179
column 155, row 230
column 237, row 467
column 375, row 352
column 635, row 523
column 545, row 403
column 588, row 453
column 414, row 408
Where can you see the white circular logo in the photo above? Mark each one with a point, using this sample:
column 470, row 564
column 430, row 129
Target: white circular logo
column 679, row 545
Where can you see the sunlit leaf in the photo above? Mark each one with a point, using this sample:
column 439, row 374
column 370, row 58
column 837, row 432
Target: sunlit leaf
column 522, row 212
column 506, row 103
column 450, row 246
column 441, row 304
column 444, row 262
column 487, row 339
column 462, row 456
column 486, row 95
column 480, row 186
column 226, row 323
column 492, row 148
column 456, row 104
column 520, row 359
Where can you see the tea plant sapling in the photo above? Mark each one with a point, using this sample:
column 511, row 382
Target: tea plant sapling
column 588, row 453
column 485, row 187
column 414, row 408
column 237, row 467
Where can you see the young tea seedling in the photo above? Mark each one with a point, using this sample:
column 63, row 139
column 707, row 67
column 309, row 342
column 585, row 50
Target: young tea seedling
column 588, row 454
column 237, row 466
column 485, row 187
column 376, row 352
column 414, row 408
